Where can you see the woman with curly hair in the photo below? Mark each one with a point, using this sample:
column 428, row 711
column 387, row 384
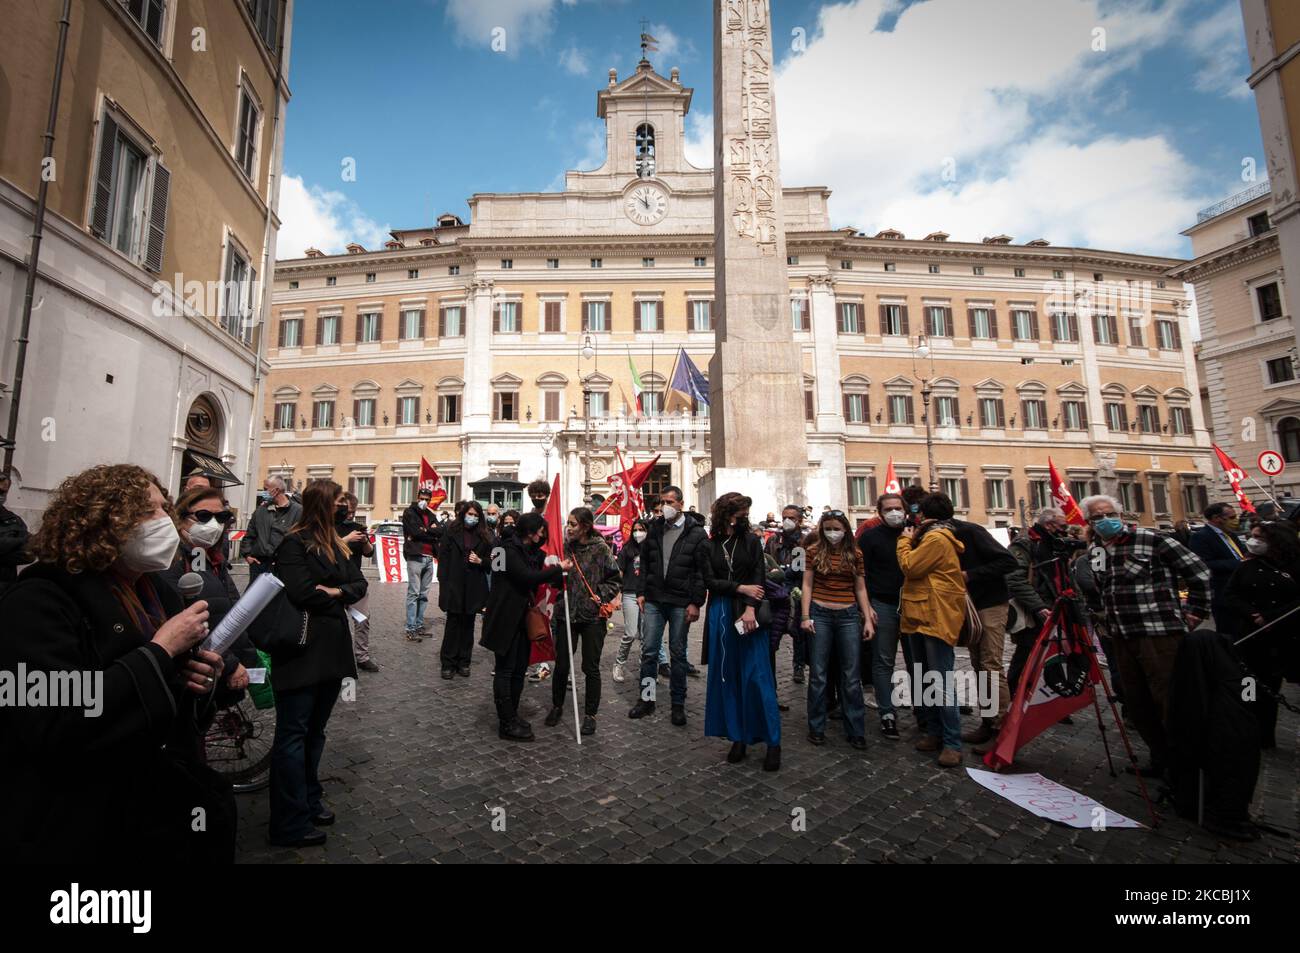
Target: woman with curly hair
column 740, row 701
column 320, row 579
column 109, row 775
column 837, row 615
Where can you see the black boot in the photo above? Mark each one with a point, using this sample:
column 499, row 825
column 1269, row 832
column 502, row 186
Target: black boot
column 641, row 709
column 679, row 715
column 553, row 716
column 772, row 762
column 514, row 730
column 736, row 754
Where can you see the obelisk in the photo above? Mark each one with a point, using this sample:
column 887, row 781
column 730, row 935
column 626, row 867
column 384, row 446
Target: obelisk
column 756, row 374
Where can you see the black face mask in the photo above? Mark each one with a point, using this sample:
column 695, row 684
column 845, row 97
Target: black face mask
column 340, row 514
column 539, row 502
column 741, row 526
column 508, row 529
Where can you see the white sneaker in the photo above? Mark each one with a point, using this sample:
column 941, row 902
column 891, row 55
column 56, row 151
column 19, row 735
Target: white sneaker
column 619, row 675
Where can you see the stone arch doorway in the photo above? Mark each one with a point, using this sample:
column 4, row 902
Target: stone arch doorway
column 204, row 432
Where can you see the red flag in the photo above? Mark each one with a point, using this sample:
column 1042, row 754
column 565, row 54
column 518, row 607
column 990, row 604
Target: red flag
column 430, row 480
column 547, row 595
column 1062, row 497
column 891, row 481
column 626, row 483
column 1036, row 706
column 1235, row 475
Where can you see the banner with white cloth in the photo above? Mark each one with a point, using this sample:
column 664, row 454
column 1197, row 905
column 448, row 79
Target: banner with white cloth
column 392, row 567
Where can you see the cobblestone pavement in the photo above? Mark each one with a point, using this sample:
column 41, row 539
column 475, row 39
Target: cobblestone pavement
column 415, row 772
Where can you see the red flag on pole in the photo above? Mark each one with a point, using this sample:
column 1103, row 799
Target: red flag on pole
column 627, row 482
column 1062, row 497
column 547, row 595
column 1235, row 475
column 891, row 481
column 1037, row 706
column 430, row 480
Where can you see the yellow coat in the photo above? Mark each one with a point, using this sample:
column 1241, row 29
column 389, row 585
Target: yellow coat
column 934, row 593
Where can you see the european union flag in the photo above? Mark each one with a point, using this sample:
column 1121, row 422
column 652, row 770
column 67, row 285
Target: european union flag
column 687, row 379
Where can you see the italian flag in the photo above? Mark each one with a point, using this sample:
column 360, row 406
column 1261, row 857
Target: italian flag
column 636, row 383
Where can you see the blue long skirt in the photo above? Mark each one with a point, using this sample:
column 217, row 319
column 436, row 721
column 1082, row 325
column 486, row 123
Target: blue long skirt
column 740, row 702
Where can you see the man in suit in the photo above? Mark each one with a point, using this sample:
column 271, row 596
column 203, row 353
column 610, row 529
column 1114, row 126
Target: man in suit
column 1220, row 548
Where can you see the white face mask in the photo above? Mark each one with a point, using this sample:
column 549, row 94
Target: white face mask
column 423, row 504
column 789, row 525
column 639, row 536
column 1257, row 547
column 670, row 513
column 205, row 534
column 895, row 518
column 833, row 536
column 471, row 521
column 152, row 546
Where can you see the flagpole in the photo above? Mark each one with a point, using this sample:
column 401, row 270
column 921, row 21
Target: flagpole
column 573, row 668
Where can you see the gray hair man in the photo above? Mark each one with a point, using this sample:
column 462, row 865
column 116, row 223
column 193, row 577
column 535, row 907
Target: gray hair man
column 1139, row 573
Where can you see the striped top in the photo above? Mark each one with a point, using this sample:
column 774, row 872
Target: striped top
column 835, row 587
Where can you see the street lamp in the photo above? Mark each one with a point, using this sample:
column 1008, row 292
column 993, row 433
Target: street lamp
column 547, row 437
column 589, row 353
column 922, row 350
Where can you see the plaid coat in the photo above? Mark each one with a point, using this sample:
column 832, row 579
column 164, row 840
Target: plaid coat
column 1139, row 575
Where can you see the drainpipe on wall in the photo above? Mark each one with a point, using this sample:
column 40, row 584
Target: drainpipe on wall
column 268, row 264
column 38, row 229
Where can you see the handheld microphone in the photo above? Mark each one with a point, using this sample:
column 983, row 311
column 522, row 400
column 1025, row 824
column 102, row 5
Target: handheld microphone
column 190, row 585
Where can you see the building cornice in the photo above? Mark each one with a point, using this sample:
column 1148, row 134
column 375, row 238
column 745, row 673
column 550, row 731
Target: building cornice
column 1230, row 256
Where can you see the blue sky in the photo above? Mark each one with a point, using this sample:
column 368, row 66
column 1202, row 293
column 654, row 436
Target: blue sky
column 1091, row 122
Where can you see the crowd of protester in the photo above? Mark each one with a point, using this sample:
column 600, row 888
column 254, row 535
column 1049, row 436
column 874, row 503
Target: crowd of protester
column 103, row 591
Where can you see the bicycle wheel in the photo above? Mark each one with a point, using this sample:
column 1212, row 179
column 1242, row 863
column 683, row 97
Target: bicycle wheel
column 238, row 744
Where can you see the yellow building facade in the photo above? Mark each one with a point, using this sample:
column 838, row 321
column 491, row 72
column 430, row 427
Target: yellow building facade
column 504, row 349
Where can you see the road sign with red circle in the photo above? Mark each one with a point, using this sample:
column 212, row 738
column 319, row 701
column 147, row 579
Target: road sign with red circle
column 1271, row 463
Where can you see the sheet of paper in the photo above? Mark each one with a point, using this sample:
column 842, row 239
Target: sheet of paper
column 242, row 613
column 1046, row 798
column 256, row 676
column 357, row 617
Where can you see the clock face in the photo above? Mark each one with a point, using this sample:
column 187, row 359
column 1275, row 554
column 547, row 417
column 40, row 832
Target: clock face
column 646, row 204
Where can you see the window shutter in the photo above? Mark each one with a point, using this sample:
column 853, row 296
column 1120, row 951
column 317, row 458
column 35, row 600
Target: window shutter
column 162, row 180
column 379, row 326
column 805, row 320
column 422, row 314
column 417, row 410
column 282, row 324
column 1033, row 325
column 1083, row 413
column 1113, row 321
column 1010, row 487
column 970, row 322
column 710, row 312
column 947, row 315
column 320, row 329
column 808, row 410
column 1074, row 327
column 872, row 495
column 496, row 319
column 1024, row 414
column 993, row 323
column 442, row 322
column 586, row 315
column 884, row 320
column 1002, row 417
column 1178, row 336
column 636, row 316
column 352, row 485
column 358, row 327
column 844, row 400
column 393, row 492
column 988, row 494
column 356, row 412
column 104, row 177
column 911, row 416
column 902, row 317
column 839, row 317
column 965, row 493
column 659, row 315
column 1140, row 506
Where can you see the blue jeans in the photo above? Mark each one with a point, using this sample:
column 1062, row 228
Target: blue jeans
column 300, row 717
column 632, row 631
column 838, row 631
column 654, row 617
column 419, row 575
column 884, row 651
column 944, row 720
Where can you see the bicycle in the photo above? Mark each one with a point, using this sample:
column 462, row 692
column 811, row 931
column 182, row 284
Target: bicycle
column 237, row 743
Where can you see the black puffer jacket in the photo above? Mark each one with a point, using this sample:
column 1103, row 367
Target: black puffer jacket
column 683, row 583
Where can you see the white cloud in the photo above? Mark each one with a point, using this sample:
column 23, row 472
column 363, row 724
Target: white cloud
column 525, row 22
column 313, row 217
column 1219, row 41
column 1004, row 94
column 671, row 46
column 574, row 61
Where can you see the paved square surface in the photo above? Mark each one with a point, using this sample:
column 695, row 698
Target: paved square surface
column 415, row 772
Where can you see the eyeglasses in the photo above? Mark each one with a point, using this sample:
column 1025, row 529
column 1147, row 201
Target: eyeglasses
column 207, row 516
column 833, row 513
column 1098, row 517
